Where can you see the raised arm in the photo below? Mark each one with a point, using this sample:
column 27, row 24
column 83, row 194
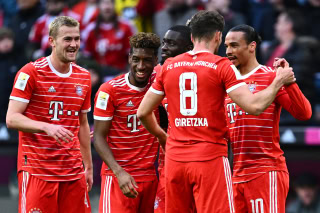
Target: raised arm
column 126, row 182
column 256, row 103
column 85, row 148
column 16, row 120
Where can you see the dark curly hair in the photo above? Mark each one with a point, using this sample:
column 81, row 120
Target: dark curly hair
column 145, row 40
column 204, row 24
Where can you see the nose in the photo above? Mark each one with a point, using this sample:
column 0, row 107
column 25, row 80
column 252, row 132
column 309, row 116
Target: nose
column 73, row 43
column 164, row 46
column 141, row 65
column 228, row 50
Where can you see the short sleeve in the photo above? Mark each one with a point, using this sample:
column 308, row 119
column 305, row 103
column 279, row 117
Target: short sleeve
column 157, row 86
column 104, row 105
column 229, row 75
column 86, row 106
column 24, row 84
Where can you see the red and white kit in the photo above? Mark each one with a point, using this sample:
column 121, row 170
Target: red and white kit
column 58, row 99
column 111, row 46
column 133, row 147
column 255, row 143
column 195, row 85
column 40, row 30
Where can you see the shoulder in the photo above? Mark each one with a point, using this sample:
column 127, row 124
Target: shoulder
column 117, row 82
column 80, row 69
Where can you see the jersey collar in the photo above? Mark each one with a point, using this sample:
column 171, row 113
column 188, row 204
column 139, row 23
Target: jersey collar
column 63, row 75
column 139, row 89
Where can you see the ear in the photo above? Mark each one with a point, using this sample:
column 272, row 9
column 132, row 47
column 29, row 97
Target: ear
column 218, row 36
column 51, row 41
column 252, row 46
column 130, row 58
column 192, row 39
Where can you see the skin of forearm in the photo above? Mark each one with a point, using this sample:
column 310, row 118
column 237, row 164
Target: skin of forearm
column 106, row 154
column 22, row 123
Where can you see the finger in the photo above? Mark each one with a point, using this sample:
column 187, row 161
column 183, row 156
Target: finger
column 133, row 191
column 134, row 183
column 57, row 139
column 62, row 137
column 67, row 132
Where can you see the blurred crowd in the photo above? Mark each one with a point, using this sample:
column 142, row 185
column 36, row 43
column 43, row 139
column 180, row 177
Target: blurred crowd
column 289, row 29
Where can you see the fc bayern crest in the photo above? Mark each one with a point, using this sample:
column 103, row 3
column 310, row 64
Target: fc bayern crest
column 156, row 203
column 35, row 210
column 79, row 90
column 252, row 86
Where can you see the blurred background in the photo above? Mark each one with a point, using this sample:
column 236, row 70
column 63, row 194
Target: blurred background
column 289, row 29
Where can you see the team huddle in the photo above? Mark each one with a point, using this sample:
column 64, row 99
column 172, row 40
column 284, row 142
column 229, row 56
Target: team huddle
column 182, row 113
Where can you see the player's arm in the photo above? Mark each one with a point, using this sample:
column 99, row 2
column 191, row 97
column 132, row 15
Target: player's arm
column 295, row 102
column 145, row 114
column 126, row 182
column 17, row 120
column 256, row 103
column 85, row 148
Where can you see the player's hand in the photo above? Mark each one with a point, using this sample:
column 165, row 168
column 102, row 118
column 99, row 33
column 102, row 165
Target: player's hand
column 89, row 178
column 280, row 62
column 162, row 141
column 59, row 133
column 285, row 75
column 127, row 184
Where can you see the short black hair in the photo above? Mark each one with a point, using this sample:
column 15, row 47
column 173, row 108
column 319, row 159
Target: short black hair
column 184, row 31
column 6, row 33
column 298, row 21
column 250, row 34
column 145, row 40
column 205, row 23
column 306, row 180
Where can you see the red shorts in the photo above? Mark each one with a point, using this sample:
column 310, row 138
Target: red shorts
column 112, row 200
column 37, row 195
column 266, row 193
column 205, row 184
column 159, row 203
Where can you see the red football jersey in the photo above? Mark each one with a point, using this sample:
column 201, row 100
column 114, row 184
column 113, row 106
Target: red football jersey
column 111, row 46
column 87, row 13
column 58, row 99
column 133, row 147
column 255, row 139
column 195, row 85
column 40, row 30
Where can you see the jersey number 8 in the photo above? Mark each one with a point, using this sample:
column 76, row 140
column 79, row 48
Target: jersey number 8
column 188, row 93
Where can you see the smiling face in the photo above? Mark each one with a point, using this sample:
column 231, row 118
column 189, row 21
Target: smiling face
column 66, row 44
column 142, row 62
column 237, row 49
column 173, row 44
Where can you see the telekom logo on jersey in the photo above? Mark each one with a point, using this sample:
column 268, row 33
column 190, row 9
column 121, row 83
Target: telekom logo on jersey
column 232, row 112
column 56, row 109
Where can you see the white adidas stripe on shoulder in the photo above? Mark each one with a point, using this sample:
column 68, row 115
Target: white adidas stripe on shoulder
column 267, row 69
column 80, row 68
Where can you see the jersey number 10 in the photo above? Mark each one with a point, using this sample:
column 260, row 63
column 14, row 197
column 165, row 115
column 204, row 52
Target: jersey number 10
column 188, row 93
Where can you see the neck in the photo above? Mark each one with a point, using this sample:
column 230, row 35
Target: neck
column 210, row 46
column 287, row 40
column 249, row 66
column 60, row 66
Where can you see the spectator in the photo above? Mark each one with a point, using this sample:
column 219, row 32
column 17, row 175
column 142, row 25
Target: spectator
column 39, row 35
column 146, row 9
column 8, row 9
column 289, row 45
column 10, row 62
column 107, row 39
column 231, row 18
column 28, row 12
column 87, row 11
column 308, row 199
column 176, row 12
column 312, row 13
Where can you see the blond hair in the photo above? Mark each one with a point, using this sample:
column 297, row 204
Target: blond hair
column 59, row 22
